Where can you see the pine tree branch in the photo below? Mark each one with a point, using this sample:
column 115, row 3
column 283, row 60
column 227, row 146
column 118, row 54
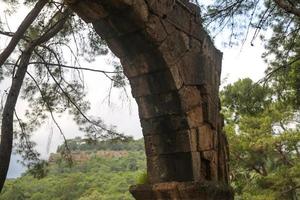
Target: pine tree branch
column 67, row 96
column 69, row 156
column 52, row 31
column 32, row 15
column 30, row 152
column 7, row 33
column 77, row 107
column 269, row 75
column 12, row 97
column 74, row 67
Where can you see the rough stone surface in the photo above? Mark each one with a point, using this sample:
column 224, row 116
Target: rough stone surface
column 183, row 190
column 174, row 71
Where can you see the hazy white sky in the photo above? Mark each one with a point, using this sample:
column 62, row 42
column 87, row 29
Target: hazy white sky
column 237, row 64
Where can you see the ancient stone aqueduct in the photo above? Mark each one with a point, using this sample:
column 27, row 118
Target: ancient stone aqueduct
column 174, row 72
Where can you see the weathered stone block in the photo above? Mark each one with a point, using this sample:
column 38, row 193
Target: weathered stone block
column 141, row 192
column 116, row 47
column 222, row 165
column 197, row 31
column 208, row 155
column 215, row 139
column 224, row 144
column 191, row 7
column 195, row 69
column 155, row 29
column 203, row 190
column 196, row 163
column 164, row 124
column 103, row 27
column 166, row 191
column 205, row 169
column 116, row 25
column 160, row 7
column 206, row 138
column 194, row 139
column 124, row 24
column 159, row 168
column 214, row 166
column 195, row 117
column 130, row 45
column 140, row 10
column 176, row 77
column 170, row 167
column 158, row 105
column 143, row 64
column 182, row 22
column 194, row 8
column 117, row 4
column 154, row 83
column 210, row 112
column 169, row 142
column 174, row 47
column 89, row 11
column 195, row 45
column 211, row 168
column 208, row 48
column 186, row 39
column 190, row 97
column 169, row 28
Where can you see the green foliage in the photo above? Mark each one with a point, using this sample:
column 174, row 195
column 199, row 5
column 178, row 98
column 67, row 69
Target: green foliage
column 242, row 19
column 142, row 178
column 264, row 136
column 79, row 144
column 39, row 170
column 245, row 97
column 98, row 178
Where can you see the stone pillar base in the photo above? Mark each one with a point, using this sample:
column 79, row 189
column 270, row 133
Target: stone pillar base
column 182, row 191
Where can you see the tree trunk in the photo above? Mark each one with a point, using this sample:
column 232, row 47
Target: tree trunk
column 8, row 115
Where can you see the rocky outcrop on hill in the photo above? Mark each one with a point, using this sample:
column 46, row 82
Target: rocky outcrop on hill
column 82, row 156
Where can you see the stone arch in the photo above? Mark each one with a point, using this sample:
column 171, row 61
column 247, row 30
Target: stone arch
column 174, row 72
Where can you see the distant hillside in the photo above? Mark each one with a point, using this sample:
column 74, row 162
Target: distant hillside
column 83, row 150
column 79, row 144
column 105, row 177
column 83, row 156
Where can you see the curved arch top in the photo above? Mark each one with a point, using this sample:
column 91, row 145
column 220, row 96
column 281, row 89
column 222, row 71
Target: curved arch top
column 174, row 72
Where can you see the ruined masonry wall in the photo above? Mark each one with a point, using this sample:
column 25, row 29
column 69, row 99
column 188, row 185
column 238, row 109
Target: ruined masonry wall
column 174, row 71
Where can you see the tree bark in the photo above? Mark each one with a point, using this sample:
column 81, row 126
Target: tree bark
column 288, row 7
column 8, row 115
column 21, row 30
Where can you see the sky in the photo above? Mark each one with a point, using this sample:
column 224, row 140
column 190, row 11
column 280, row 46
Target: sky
column 121, row 111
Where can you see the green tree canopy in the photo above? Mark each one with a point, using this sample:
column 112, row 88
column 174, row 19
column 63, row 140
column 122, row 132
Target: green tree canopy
column 264, row 138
